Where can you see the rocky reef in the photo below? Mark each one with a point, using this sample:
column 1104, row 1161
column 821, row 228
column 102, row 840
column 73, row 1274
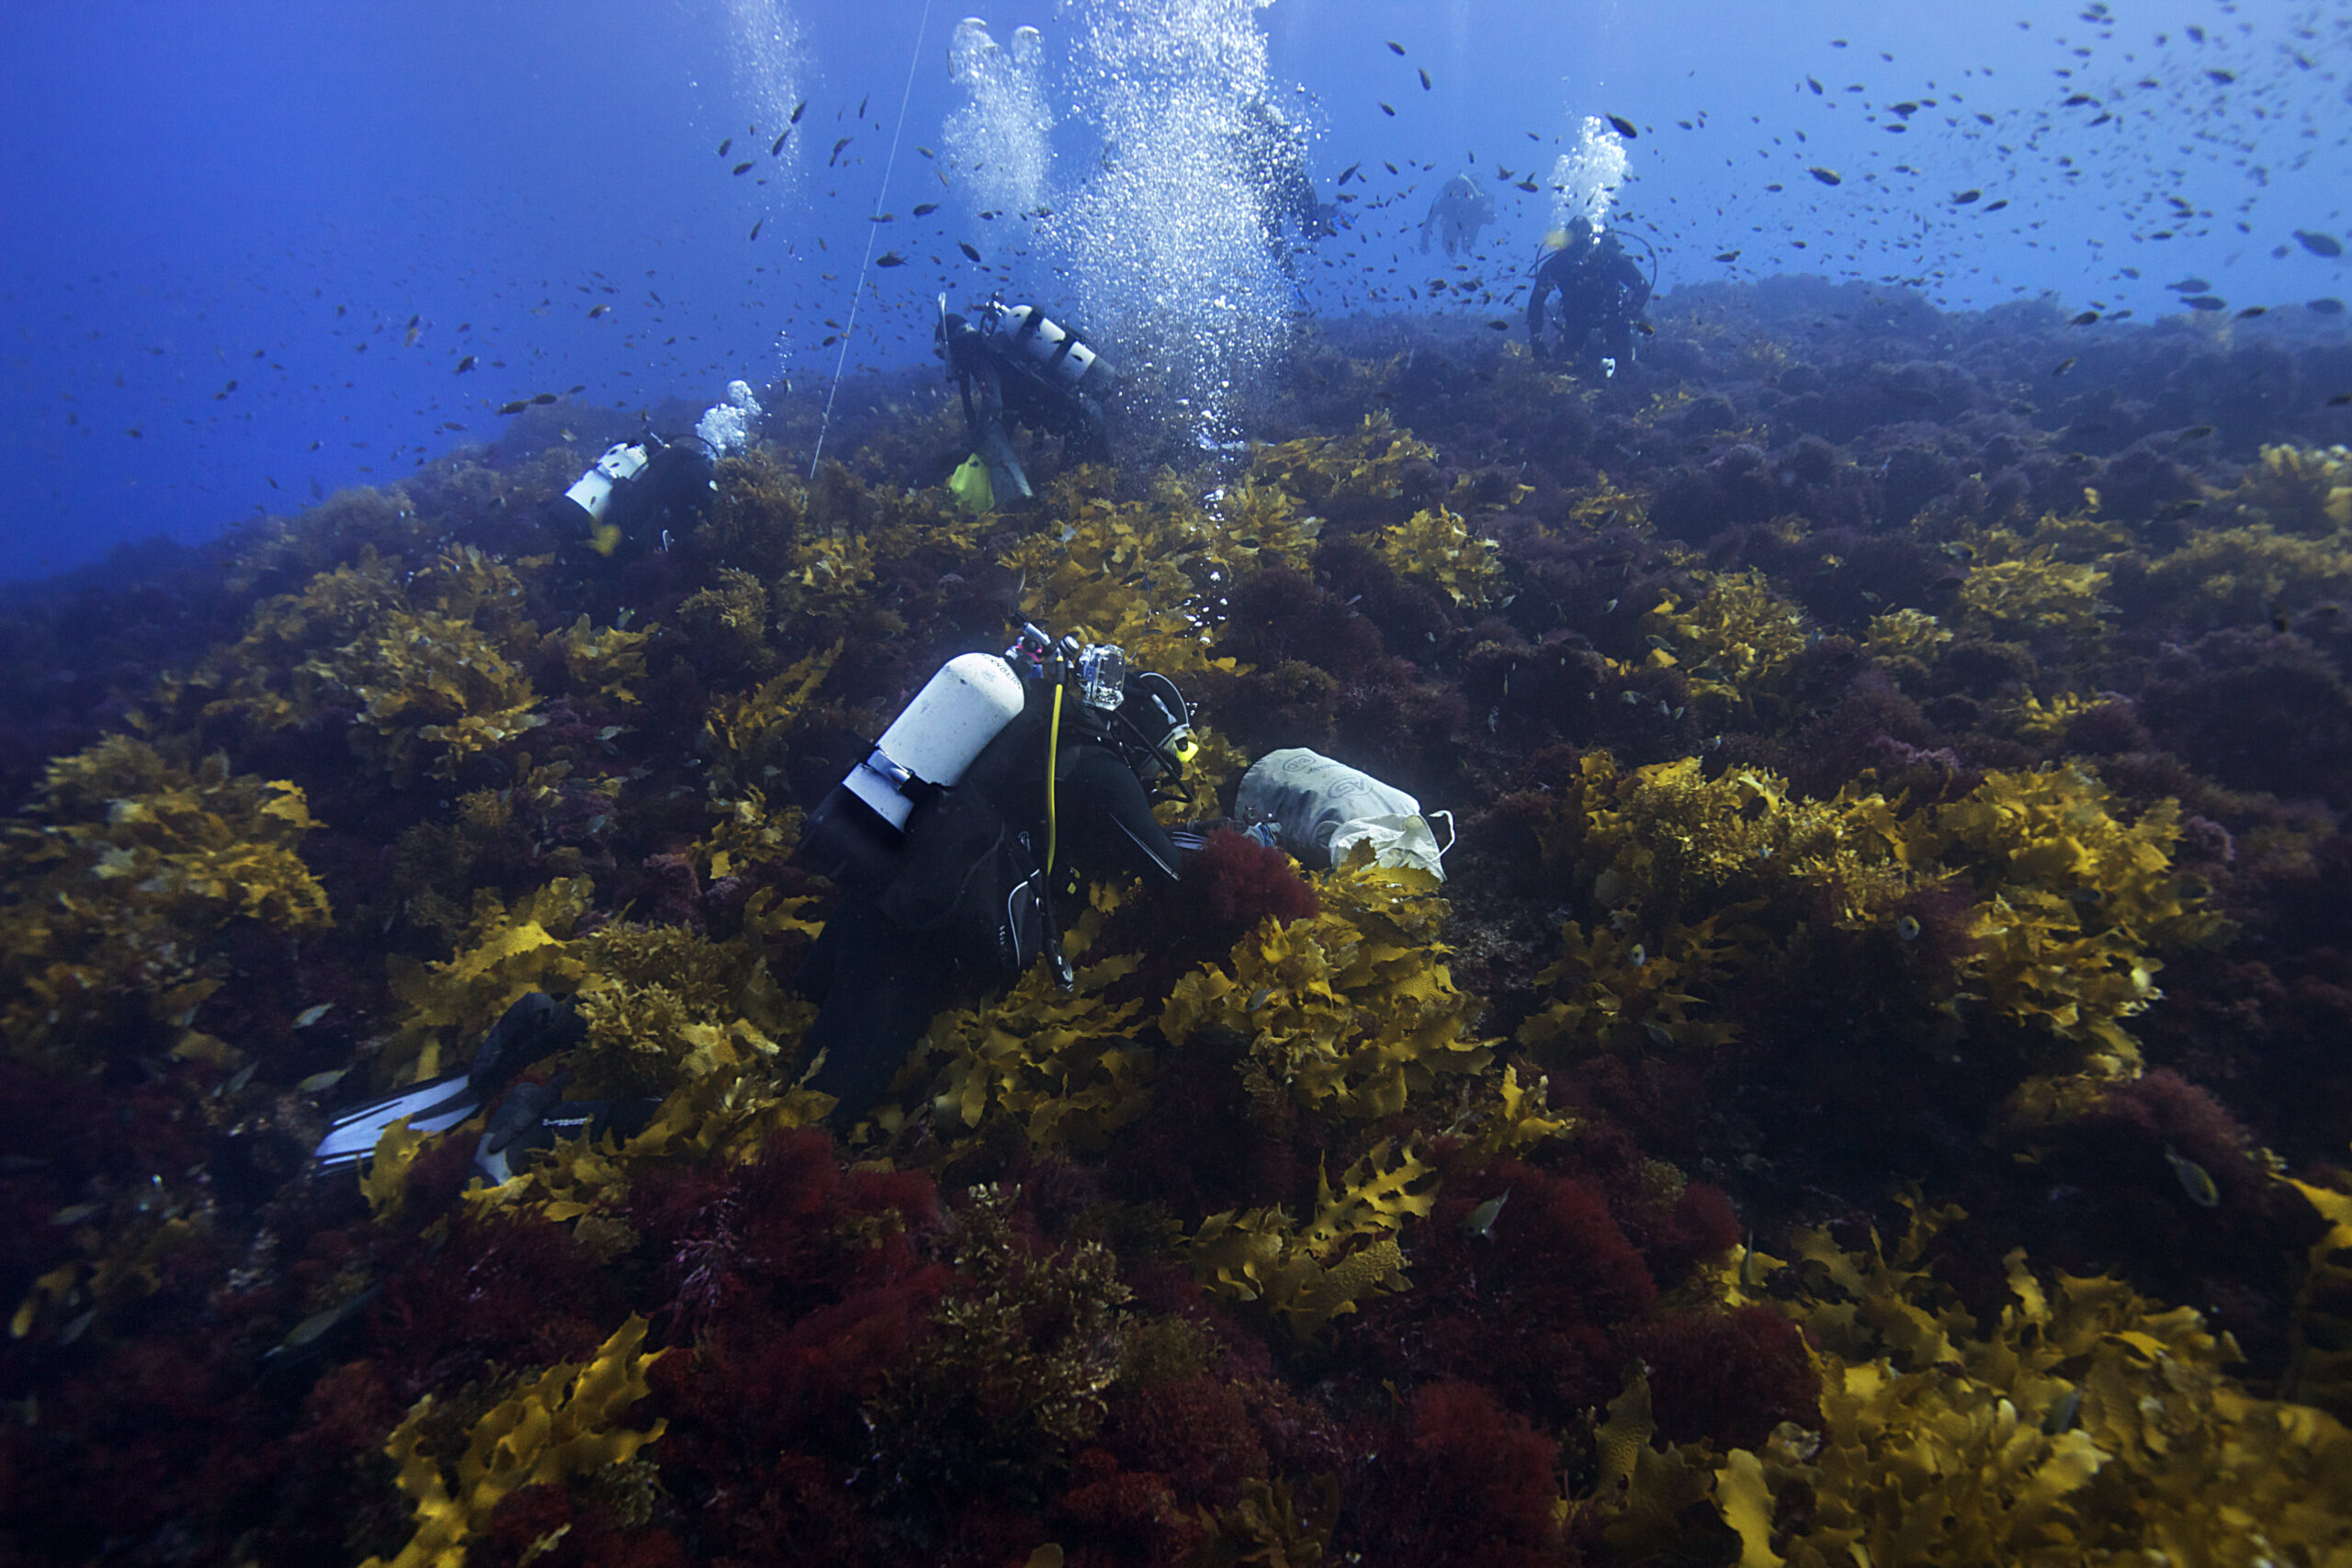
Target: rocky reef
column 1871, row 1084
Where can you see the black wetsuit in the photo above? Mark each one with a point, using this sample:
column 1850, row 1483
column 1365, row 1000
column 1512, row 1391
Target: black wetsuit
column 998, row 378
column 966, row 901
column 1601, row 291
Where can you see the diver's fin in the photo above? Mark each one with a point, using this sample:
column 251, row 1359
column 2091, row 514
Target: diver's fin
column 433, row 1107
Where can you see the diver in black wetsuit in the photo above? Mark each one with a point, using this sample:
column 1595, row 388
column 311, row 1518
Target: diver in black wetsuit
column 1602, row 291
column 969, row 890
column 1011, row 360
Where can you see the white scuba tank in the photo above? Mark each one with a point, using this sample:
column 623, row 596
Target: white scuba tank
column 593, row 492
column 949, row 722
column 1046, row 341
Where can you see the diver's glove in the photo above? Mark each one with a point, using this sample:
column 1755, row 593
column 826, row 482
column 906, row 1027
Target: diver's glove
column 536, row 1026
column 1190, row 837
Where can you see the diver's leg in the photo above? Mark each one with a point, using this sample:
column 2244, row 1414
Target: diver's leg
column 1005, row 474
column 878, row 998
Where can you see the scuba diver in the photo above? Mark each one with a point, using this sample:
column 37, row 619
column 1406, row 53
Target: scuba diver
column 1002, row 781
column 1013, row 360
column 640, row 493
column 1273, row 154
column 1457, row 212
column 1602, row 291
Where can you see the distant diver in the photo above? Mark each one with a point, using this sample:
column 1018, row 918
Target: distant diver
column 1013, row 361
column 1273, row 155
column 641, row 494
column 1456, row 214
column 1602, row 291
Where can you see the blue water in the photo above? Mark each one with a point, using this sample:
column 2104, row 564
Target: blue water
column 243, row 248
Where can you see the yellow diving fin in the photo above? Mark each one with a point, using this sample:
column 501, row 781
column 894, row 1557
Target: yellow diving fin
column 970, row 486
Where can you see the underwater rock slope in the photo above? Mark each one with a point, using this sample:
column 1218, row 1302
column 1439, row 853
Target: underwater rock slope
column 1870, row 1082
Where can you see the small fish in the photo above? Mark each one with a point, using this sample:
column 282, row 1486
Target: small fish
column 1827, row 176
column 756, row 224
column 467, row 363
column 2064, row 365
column 2320, row 245
column 1995, row 206
column 596, row 310
column 1257, row 999
column 725, row 145
column 310, row 1016
column 1499, row 326
column 517, row 406
column 1638, row 956
column 2086, row 319
column 77, row 1214
column 2254, row 310
column 1389, row 112
column 2061, row 1419
column 2325, row 306
column 889, row 258
column 2223, row 77
column 925, row 208
column 1395, row 48
column 966, row 246
column 778, row 145
column 1814, row 84
column 1346, row 174
column 1480, row 1221
column 2338, row 401
column 1964, row 198
column 743, row 168
column 1623, row 126
column 2195, row 1179
column 2196, row 432
column 1425, row 78
column 2206, row 302
column 881, row 217
column 797, row 110
column 544, row 398
column 837, row 151
column 319, row 1083
column 1906, row 927
column 2189, row 286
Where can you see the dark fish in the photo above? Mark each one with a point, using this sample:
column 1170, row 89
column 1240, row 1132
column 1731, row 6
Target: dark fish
column 464, row 365
column 778, row 145
column 2341, row 399
column 1499, row 326
column 837, row 151
column 2064, row 365
column 544, row 398
column 1527, row 184
column 889, row 258
column 2320, row 245
column 596, row 310
column 1346, row 174
column 2329, row 306
column 2196, row 432
column 725, row 145
column 2254, row 310
column 1995, row 206
column 1728, row 257
column 517, row 406
column 2189, row 286
column 1387, row 110
column 743, row 168
column 2206, row 302
column 882, row 218
column 925, row 208
column 1964, row 198
column 2223, row 77
column 1827, row 176
column 2077, row 101
column 2086, row 319
column 1425, row 78
column 797, row 110
column 1815, row 85
column 1395, row 48
column 1623, row 126
column 966, row 246
column 755, row 228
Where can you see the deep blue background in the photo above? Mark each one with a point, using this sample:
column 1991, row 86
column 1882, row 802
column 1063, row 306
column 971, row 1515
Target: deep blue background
column 195, row 193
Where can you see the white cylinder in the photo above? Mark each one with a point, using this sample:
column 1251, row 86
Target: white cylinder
column 957, row 714
column 593, row 492
column 1308, row 796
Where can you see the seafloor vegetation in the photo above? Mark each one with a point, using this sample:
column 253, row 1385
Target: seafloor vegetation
column 1870, row 1089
